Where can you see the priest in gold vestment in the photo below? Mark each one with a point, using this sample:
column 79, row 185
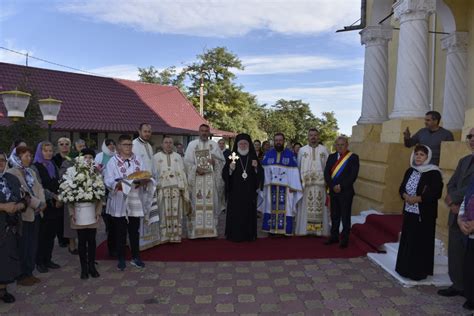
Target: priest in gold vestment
column 313, row 216
column 204, row 162
column 172, row 191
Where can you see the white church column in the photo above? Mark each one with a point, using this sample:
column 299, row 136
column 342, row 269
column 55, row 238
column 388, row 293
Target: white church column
column 455, row 85
column 412, row 89
column 375, row 88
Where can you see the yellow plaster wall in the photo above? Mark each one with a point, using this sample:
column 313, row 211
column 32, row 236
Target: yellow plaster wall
column 366, row 132
column 382, row 166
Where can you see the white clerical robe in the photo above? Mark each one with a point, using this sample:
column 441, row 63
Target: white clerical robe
column 313, row 216
column 206, row 189
column 144, row 151
column 149, row 226
column 173, row 196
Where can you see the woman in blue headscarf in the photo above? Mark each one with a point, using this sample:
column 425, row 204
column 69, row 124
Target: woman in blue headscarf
column 420, row 189
column 11, row 204
column 52, row 219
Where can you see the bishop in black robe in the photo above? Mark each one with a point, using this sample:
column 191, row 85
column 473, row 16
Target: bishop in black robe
column 243, row 178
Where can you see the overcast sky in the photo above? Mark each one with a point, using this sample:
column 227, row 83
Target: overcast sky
column 289, row 47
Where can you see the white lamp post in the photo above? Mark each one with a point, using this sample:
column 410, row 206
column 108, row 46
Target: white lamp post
column 50, row 109
column 16, row 103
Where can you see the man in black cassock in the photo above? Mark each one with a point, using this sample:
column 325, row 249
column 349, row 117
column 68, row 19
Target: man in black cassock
column 243, row 176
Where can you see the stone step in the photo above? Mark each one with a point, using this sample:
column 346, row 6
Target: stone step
column 387, row 262
column 440, row 261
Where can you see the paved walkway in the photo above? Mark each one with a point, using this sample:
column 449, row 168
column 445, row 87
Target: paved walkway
column 298, row 287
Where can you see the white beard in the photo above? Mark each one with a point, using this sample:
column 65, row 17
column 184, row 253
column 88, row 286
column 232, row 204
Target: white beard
column 243, row 152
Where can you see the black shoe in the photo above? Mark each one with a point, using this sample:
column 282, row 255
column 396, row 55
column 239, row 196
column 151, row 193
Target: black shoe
column 468, row 305
column 331, row 241
column 7, row 297
column 449, row 292
column 52, row 265
column 84, row 275
column 93, row 272
column 73, row 252
column 42, row 268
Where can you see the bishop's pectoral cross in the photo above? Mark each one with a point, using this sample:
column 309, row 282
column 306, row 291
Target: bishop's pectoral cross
column 233, row 157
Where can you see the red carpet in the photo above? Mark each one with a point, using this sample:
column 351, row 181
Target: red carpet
column 272, row 248
column 364, row 238
column 378, row 230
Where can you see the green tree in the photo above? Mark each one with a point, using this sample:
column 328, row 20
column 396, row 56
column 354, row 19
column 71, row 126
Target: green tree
column 226, row 105
column 166, row 77
column 294, row 117
column 327, row 126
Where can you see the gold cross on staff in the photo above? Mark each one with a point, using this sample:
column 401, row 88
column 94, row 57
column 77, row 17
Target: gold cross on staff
column 233, row 157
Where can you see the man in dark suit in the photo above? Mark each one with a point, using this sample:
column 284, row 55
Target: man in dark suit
column 457, row 186
column 341, row 172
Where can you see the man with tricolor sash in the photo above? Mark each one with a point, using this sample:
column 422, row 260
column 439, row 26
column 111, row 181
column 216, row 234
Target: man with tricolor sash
column 282, row 188
column 341, row 172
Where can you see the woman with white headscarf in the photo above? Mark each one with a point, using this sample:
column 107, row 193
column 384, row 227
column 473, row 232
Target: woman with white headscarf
column 21, row 163
column 421, row 188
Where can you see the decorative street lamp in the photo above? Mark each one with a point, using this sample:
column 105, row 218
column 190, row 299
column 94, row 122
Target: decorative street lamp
column 50, row 109
column 16, row 103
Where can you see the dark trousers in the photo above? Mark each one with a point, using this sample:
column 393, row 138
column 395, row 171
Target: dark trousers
column 29, row 246
column 86, row 247
column 469, row 272
column 455, row 255
column 341, row 206
column 109, row 228
column 60, row 230
column 122, row 227
column 47, row 232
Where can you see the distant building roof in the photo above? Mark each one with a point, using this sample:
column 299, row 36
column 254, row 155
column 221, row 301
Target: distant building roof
column 100, row 104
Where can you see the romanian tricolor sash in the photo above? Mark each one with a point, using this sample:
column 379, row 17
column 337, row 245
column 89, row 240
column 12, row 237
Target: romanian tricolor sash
column 340, row 164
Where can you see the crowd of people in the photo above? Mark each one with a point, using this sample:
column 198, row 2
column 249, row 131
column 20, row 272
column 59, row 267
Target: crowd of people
column 421, row 188
column 299, row 190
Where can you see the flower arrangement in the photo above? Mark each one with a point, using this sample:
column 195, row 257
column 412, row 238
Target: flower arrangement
column 81, row 183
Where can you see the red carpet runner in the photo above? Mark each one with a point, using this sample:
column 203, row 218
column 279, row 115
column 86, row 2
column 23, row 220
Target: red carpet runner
column 362, row 240
column 378, row 230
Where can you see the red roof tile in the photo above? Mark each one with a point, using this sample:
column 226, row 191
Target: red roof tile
column 100, row 104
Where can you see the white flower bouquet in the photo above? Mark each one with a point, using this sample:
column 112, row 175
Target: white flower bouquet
column 81, row 183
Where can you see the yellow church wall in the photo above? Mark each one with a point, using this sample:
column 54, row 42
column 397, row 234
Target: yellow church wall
column 382, row 166
column 383, row 158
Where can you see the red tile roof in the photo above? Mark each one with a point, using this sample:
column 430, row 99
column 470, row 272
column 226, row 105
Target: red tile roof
column 100, row 104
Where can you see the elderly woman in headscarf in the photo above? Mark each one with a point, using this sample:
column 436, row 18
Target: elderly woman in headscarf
column 421, row 188
column 21, row 162
column 52, row 219
column 243, row 176
column 11, row 204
